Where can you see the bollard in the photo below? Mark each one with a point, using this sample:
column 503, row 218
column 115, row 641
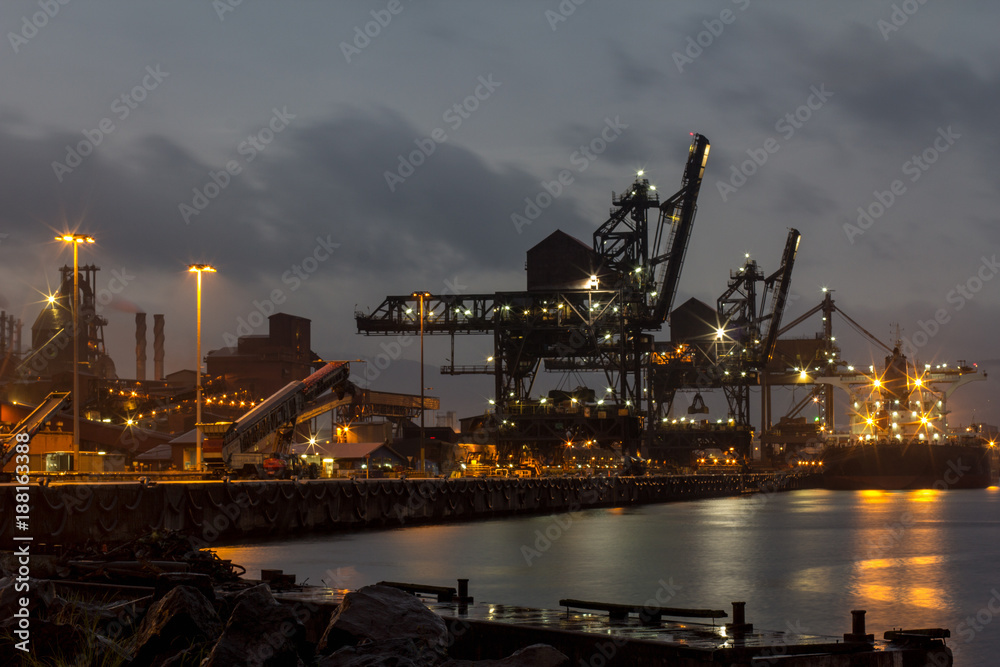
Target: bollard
column 739, row 613
column 857, row 633
column 463, row 593
column 739, row 625
column 463, row 598
column 858, row 621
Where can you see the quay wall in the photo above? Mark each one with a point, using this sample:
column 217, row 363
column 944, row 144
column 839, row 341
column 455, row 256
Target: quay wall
column 220, row 511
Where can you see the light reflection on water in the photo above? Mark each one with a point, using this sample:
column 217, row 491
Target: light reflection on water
column 911, row 559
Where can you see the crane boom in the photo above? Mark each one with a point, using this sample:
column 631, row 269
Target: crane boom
column 783, row 278
column 678, row 212
column 34, row 421
column 251, row 432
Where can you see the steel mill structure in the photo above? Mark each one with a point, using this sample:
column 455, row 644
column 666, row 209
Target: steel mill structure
column 596, row 308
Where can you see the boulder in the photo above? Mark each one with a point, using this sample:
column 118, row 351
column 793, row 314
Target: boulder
column 189, row 657
column 394, row 652
column 379, row 613
column 262, row 632
column 536, row 655
column 165, row 581
column 226, row 601
column 173, row 623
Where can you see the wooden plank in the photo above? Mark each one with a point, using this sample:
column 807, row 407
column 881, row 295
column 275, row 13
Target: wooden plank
column 618, row 609
column 443, row 593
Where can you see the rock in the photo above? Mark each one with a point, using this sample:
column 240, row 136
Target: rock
column 173, row 623
column 536, row 655
column 395, row 652
column 226, row 601
column 189, row 657
column 260, row 632
column 165, row 581
column 379, row 613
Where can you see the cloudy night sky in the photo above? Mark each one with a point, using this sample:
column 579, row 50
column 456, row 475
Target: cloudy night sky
column 116, row 115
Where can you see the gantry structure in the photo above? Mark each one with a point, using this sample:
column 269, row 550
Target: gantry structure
column 596, row 309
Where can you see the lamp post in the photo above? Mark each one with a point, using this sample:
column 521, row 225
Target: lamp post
column 198, row 269
column 422, row 296
column 76, row 240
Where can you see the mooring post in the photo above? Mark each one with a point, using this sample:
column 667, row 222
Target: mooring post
column 739, row 625
column 857, row 633
column 463, row 598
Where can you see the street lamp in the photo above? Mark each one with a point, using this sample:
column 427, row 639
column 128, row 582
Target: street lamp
column 198, row 269
column 76, row 240
column 422, row 296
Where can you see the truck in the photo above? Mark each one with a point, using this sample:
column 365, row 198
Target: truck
column 258, row 444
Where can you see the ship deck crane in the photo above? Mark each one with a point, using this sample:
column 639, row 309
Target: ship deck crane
column 747, row 335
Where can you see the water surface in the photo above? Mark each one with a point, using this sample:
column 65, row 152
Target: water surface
column 800, row 560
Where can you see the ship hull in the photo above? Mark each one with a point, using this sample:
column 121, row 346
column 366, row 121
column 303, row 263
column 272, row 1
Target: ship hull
column 903, row 466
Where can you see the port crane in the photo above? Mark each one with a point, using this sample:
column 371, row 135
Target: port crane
column 601, row 324
column 727, row 347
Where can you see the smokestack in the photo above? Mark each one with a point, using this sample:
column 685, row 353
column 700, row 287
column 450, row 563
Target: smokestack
column 158, row 347
column 140, row 346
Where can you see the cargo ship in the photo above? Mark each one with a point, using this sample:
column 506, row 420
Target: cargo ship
column 899, row 437
column 969, row 463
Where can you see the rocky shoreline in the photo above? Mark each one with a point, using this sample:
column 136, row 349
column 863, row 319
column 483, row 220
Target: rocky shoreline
column 187, row 621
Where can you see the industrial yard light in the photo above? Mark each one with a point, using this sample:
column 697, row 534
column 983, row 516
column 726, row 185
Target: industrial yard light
column 422, row 296
column 198, row 269
column 76, row 240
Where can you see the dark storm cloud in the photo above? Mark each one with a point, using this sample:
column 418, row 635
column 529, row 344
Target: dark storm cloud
column 803, row 203
column 632, row 74
column 323, row 177
column 326, row 179
column 451, row 212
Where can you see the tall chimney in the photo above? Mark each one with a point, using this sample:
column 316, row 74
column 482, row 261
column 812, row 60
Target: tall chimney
column 140, row 346
column 158, row 347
